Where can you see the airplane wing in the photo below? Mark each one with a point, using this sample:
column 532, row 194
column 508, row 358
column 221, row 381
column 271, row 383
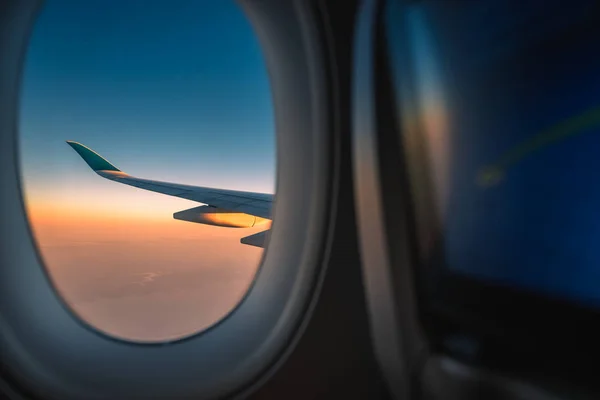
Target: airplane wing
column 254, row 204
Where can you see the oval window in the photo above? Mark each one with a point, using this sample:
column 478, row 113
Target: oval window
column 167, row 111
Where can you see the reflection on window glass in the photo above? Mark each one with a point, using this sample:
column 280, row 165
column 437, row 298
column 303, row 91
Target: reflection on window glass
column 507, row 97
column 173, row 92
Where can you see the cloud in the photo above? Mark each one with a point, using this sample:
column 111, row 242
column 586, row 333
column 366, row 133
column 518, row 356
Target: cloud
column 148, row 277
column 147, row 280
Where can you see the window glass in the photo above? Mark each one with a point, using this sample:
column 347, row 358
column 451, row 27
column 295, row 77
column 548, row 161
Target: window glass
column 175, row 92
column 503, row 98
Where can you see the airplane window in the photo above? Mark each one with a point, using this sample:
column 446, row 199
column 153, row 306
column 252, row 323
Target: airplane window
column 147, row 157
column 504, row 96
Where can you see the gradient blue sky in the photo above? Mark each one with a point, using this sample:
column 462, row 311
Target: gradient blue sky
column 175, row 91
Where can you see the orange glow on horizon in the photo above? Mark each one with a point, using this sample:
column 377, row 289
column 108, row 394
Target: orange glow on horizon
column 141, row 276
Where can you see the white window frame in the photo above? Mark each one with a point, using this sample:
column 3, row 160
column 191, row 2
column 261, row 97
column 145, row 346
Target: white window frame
column 50, row 352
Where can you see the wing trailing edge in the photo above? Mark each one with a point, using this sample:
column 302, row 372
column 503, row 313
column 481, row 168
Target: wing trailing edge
column 258, row 239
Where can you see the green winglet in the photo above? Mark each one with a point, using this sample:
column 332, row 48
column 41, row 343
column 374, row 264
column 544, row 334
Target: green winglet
column 93, row 159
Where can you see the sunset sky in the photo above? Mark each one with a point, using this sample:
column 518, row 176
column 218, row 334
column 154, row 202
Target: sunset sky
column 177, row 93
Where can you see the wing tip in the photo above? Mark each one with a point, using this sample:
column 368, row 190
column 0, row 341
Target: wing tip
column 94, row 160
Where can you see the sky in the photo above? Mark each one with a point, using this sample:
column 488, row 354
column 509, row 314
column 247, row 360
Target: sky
column 178, row 93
